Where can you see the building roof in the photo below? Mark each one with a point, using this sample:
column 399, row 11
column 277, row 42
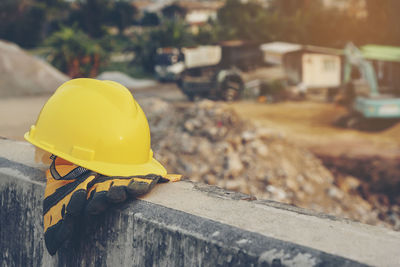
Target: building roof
column 381, row 52
column 280, row 47
column 322, row 50
column 284, row 48
column 207, row 5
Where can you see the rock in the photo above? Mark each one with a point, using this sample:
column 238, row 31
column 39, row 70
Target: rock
column 210, row 179
column 334, row 192
column 187, row 144
column 260, row 148
column 234, row 164
column 248, row 136
column 233, row 185
column 292, row 184
column 204, row 148
column 348, row 183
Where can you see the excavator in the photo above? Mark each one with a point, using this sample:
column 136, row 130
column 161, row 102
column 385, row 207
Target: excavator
column 369, row 106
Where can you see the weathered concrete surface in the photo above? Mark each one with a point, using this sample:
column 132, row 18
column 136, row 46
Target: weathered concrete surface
column 181, row 224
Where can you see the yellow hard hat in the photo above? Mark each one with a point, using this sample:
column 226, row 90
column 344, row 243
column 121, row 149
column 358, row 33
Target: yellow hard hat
column 97, row 125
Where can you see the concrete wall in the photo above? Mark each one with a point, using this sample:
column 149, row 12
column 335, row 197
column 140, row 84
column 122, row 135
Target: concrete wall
column 181, row 224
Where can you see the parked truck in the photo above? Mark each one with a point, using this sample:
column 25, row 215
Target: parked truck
column 212, row 71
column 221, row 77
column 169, row 64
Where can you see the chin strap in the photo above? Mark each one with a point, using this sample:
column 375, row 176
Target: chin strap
column 72, row 175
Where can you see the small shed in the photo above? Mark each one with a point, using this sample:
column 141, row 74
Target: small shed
column 273, row 52
column 314, row 67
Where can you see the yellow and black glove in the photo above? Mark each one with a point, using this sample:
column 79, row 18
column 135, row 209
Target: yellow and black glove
column 65, row 199
column 71, row 190
column 105, row 190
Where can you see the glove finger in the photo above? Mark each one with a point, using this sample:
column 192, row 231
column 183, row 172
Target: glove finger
column 137, row 188
column 117, row 194
column 55, row 235
column 98, row 203
column 76, row 203
column 163, row 180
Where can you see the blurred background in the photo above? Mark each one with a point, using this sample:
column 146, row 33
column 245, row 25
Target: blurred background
column 296, row 101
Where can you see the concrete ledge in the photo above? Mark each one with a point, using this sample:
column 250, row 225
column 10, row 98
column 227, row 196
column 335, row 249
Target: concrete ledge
column 181, row 224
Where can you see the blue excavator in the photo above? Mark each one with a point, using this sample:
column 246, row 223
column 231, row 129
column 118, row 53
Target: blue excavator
column 370, row 107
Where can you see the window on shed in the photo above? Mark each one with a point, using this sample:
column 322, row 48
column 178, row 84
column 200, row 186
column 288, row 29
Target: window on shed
column 329, row 65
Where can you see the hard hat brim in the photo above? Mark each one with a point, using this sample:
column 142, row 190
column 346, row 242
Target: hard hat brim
column 108, row 169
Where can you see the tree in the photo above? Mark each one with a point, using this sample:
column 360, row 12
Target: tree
column 174, row 11
column 310, row 22
column 122, row 15
column 75, row 53
column 382, row 22
column 207, row 34
column 92, row 16
column 169, row 34
column 21, row 21
column 247, row 21
column 150, row 19
column 291, row 7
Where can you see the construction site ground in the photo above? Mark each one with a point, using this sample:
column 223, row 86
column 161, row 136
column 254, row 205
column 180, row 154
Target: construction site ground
column 371, row 157
column 311, row 125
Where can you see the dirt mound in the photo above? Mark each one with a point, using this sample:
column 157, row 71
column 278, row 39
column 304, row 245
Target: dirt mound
column 208, row 142
column 22, row 74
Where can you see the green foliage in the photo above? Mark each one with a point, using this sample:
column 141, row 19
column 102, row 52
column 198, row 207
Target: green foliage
column 122, row 15
column 29, row 22
column 116, row 43
column 242, row 21
column 298, row 21
column 313, row 24
column 21, row 23
column 208, row 34
column 273, row 87
column 173, row 11
column 129, row 68
column 75, row 53
column 92, row 16
column 150, row 19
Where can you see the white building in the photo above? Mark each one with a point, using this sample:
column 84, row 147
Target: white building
column 314, row 67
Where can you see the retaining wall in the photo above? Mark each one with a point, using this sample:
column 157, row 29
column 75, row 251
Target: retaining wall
column 181, row 224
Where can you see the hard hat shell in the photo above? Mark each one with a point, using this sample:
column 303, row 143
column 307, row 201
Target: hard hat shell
column 97, row 125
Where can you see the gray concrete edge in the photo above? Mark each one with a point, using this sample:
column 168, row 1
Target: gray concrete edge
column 260, row 229
column 253, row 248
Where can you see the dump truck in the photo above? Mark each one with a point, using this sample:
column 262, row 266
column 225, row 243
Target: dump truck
column 368, row 103
column 169, row 64
column 217, row 72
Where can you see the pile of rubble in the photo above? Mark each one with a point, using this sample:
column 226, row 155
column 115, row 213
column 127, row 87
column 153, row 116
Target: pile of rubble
column 208, row 142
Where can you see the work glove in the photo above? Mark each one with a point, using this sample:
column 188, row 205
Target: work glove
column 106, row 190
column 64, row 200
column 72, row 190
